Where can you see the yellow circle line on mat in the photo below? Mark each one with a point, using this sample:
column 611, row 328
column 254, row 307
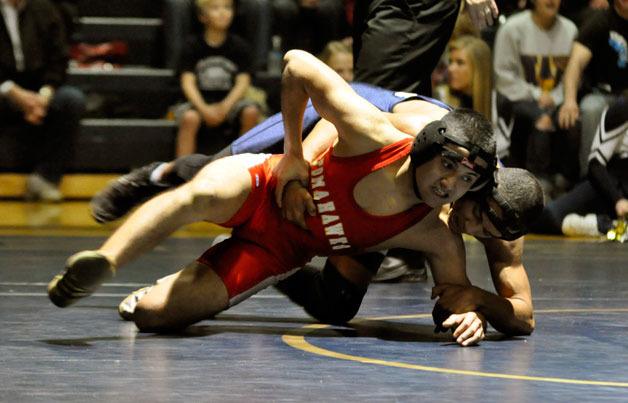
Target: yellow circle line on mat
column 300, row 343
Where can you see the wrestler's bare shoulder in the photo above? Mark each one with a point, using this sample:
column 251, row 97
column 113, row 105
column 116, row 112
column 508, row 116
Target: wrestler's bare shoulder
column 429, row 235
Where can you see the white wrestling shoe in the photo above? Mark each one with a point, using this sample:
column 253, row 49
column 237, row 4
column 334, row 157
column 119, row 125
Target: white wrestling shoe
column 126, row 309
column 577, row 225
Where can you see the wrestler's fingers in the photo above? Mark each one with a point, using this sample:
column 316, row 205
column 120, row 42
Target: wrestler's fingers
column 452, row 320
column 309, row 205
column 468, row 326
column 475, row 338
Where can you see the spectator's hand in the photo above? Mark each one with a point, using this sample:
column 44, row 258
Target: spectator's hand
column 33, row 106
column 213, row 114
column 456, row 298
column 568, row 114
column 546, row 101
column 296, row 202
column 468, row 327
column 288, row 169
column 482, row 12
column 544, row 123
column 621, row 208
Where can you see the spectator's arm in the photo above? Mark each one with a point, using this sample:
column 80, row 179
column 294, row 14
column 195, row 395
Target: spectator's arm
column 603, row 182
column 578, row 60
column 241, row 85
column 57, row 50
column 191, row 91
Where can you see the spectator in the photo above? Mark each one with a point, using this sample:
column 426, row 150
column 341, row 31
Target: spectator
column 339, row 57
column 590, row 207
column 215, row 75
column 531, row 52
column 601, row 44
column 253, row 21
column 43, row 113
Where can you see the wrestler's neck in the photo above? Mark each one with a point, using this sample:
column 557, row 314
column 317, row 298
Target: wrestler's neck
column 403, row 182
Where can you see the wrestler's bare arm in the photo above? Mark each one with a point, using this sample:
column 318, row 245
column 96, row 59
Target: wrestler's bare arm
column 361, row 126
column 510, row 311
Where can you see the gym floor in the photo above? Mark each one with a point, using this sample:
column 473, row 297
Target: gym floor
column 267, row 349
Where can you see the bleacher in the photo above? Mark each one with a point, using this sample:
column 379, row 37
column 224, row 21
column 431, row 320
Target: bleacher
column 126, row 123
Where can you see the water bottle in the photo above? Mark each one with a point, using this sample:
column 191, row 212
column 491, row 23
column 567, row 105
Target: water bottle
column 275, row 57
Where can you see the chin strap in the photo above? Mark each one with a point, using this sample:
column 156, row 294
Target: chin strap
column 415, row 187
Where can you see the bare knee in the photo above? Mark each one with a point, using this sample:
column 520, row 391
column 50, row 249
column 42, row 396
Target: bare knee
column 191, row 118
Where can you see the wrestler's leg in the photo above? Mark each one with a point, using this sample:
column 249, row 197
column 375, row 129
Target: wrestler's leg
column 179, row 300
column 214, row 195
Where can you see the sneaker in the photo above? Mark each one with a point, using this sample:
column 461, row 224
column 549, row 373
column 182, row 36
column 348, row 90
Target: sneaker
column 127, row 306
column 577, row 225
column 40, row 189
column 84, row 273
column 402, row 266
column 124, row 193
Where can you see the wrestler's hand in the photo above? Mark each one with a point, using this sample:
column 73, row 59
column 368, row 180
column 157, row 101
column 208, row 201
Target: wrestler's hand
column 456, row 298
column 468, row 327
column 482, row 12
column 296, row 201
column 290, row 168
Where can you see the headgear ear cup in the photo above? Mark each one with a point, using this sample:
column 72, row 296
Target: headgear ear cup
column 428, row 142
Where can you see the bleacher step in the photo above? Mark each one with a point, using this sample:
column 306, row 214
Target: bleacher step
column 73, row 186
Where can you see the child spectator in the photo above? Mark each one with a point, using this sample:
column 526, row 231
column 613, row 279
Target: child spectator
column 339, row 56
column 215, row 74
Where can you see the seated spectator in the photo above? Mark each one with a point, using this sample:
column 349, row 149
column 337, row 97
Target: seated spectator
column 308, row 24
column 531, row 52
column 35, row 106
column 589, row 208
column 215, row 75
column 469, row 84
column 339, row 57
column 601, row 49
column 252, row 21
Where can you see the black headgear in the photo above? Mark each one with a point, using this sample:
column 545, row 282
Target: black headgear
column 511, row 225
column 431, row 140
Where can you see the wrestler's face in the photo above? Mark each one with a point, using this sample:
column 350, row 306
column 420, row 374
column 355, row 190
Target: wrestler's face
column 217, row 14
column 342, row 63
column 460, row 75
column 466, row 216
column 444, row 179
column 546, row 8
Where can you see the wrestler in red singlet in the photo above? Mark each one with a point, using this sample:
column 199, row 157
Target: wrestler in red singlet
column 264, row 247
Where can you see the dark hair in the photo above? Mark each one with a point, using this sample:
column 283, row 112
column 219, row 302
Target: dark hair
column 523, row 193
column 471, row 127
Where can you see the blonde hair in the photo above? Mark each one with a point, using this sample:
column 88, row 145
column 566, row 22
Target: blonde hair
column 201, row 4
column 480, row 60
column 332, row 48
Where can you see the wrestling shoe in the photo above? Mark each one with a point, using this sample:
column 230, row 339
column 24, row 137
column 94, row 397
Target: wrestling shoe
column 84, row 273
column 124, row 193
column 577, row 225
column 127, row 306
column 402, row 266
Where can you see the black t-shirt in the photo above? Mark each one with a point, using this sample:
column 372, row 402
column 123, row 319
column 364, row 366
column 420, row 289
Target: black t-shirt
column 605, row 34
column 215, row 68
